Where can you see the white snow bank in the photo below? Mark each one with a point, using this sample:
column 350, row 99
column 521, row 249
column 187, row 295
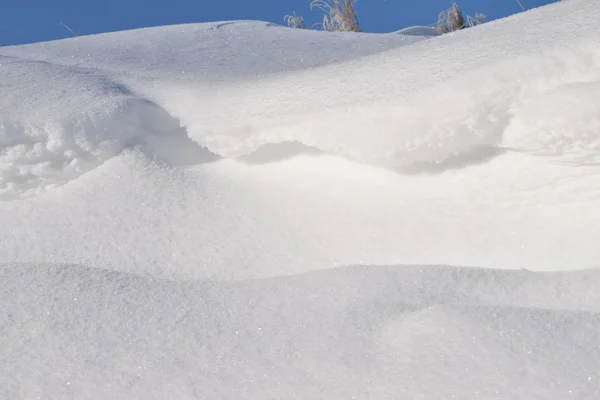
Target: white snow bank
column 238, row 86
column 89, row 102
column 132, row 266
column 360, row 332
column 494, row 154
column 58, row 122
column 427, row 103
column 481, row 112
column 209, row 52
column 229, row 220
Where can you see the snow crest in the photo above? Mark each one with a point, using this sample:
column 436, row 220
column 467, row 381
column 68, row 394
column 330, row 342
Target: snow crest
column 469, row 119
column 464, row 120
column 365, row 105
column 77, row 120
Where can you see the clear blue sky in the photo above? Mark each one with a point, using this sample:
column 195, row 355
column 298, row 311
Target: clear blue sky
column 26, row 21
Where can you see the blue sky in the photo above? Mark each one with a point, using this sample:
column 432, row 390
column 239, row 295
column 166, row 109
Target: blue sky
column 26, row 21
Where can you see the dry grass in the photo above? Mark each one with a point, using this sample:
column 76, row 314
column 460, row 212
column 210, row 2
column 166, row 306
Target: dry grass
column 451, row 20
column 340, row 15
column 294, row 21
column 478, row 19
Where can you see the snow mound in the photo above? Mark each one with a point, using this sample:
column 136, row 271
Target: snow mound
column 363, row 332
column 92, row 119
column 326, row 92
column 230, row 220
column 488, row 160
column 461, row 120
column 90, row 108
column 382, row 110
column 211, row 52
column 453, row 124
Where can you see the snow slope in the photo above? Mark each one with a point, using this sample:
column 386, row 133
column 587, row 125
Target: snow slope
column 174, row 202
column 356, row 332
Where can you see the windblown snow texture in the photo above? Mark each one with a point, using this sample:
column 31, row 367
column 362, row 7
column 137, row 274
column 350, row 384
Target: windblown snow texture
column 238, row 210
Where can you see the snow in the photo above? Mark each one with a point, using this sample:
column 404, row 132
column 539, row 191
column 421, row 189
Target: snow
column 242, row 210
column 362, row 332
column 427, row 31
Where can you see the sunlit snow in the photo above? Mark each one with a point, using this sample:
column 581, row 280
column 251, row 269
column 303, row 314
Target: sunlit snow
column 238, row 210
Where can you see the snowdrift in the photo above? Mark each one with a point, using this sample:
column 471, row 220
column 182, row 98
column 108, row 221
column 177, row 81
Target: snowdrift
column 333, row 149
column 238, row 86
column 99, row 93
column 364, row 332
column 189, row 212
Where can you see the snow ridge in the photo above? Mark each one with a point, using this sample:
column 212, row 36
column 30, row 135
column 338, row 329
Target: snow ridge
column 465, row 113
column 79, row 119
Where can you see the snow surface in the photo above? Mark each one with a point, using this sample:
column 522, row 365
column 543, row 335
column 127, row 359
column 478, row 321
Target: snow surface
column 174, row 203
column 354, row 332
column 427, row 31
